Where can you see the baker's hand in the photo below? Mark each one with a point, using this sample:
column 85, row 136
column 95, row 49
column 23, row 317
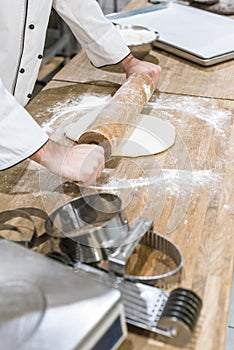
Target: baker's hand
column 133, row 65
column 82, row 163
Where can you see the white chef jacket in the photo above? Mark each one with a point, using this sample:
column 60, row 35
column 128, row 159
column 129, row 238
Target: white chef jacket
column 23, row 25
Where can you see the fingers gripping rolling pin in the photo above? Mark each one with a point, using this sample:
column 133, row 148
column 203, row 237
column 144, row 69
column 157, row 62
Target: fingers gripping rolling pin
column 115, row 122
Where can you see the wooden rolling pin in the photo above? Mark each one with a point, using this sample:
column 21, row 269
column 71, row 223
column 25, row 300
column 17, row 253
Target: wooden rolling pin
column 116, row 121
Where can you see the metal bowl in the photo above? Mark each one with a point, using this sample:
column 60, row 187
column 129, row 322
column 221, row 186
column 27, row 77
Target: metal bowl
column 140, row 39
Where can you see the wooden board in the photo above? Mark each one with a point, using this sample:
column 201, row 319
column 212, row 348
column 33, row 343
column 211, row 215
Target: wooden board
column 178, row 75
column 189, row 194
column 48, row 66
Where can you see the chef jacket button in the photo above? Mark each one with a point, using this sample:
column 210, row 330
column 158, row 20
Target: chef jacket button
column 39, row 57
column 31, row 26
column 29, row 95
column 22, row 70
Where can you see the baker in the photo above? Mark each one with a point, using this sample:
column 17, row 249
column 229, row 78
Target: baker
column 23, row 25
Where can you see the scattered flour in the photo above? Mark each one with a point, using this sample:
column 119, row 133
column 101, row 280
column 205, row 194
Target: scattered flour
column 229, row 208
column 198, row 107
column 71, row 107
column 171, row 181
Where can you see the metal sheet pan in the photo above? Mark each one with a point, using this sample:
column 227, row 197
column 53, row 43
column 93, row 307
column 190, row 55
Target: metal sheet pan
column 193, row 34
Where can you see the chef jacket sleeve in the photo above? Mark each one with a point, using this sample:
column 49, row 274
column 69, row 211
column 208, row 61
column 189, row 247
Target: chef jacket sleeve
column 20, row 135
column 97, row 35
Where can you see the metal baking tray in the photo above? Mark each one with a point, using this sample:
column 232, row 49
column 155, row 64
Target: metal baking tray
column 193, row 34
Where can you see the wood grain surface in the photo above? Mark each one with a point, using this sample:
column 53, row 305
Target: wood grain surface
column 187, row 190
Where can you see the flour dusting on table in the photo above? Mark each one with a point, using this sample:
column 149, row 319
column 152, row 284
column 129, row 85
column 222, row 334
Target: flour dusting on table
column 72, row 106
column 170, row 181
column 199, row 107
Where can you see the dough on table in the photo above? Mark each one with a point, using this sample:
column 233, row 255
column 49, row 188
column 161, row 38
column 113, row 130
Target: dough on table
column 152, row 135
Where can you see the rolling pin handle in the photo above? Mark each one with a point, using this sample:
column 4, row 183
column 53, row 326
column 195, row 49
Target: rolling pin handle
column 96, row 138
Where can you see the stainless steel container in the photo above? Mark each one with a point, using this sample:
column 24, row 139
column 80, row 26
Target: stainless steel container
column 143, row 46
column 90, row 227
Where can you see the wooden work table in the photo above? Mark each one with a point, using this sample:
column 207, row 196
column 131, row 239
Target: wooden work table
column 194, row 204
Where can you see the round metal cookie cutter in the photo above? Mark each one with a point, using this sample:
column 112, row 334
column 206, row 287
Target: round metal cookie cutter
column 26, row 234
column 162, row 245
column 168, row 248
column 90, row 228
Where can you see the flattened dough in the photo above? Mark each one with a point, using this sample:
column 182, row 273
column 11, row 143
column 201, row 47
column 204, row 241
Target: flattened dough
column 152, row 135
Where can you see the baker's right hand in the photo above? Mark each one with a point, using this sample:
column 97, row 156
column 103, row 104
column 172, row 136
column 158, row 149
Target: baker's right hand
column 82, row 163
column 133, row 65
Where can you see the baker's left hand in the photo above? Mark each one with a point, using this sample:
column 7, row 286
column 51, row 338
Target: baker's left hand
column 133, row 65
